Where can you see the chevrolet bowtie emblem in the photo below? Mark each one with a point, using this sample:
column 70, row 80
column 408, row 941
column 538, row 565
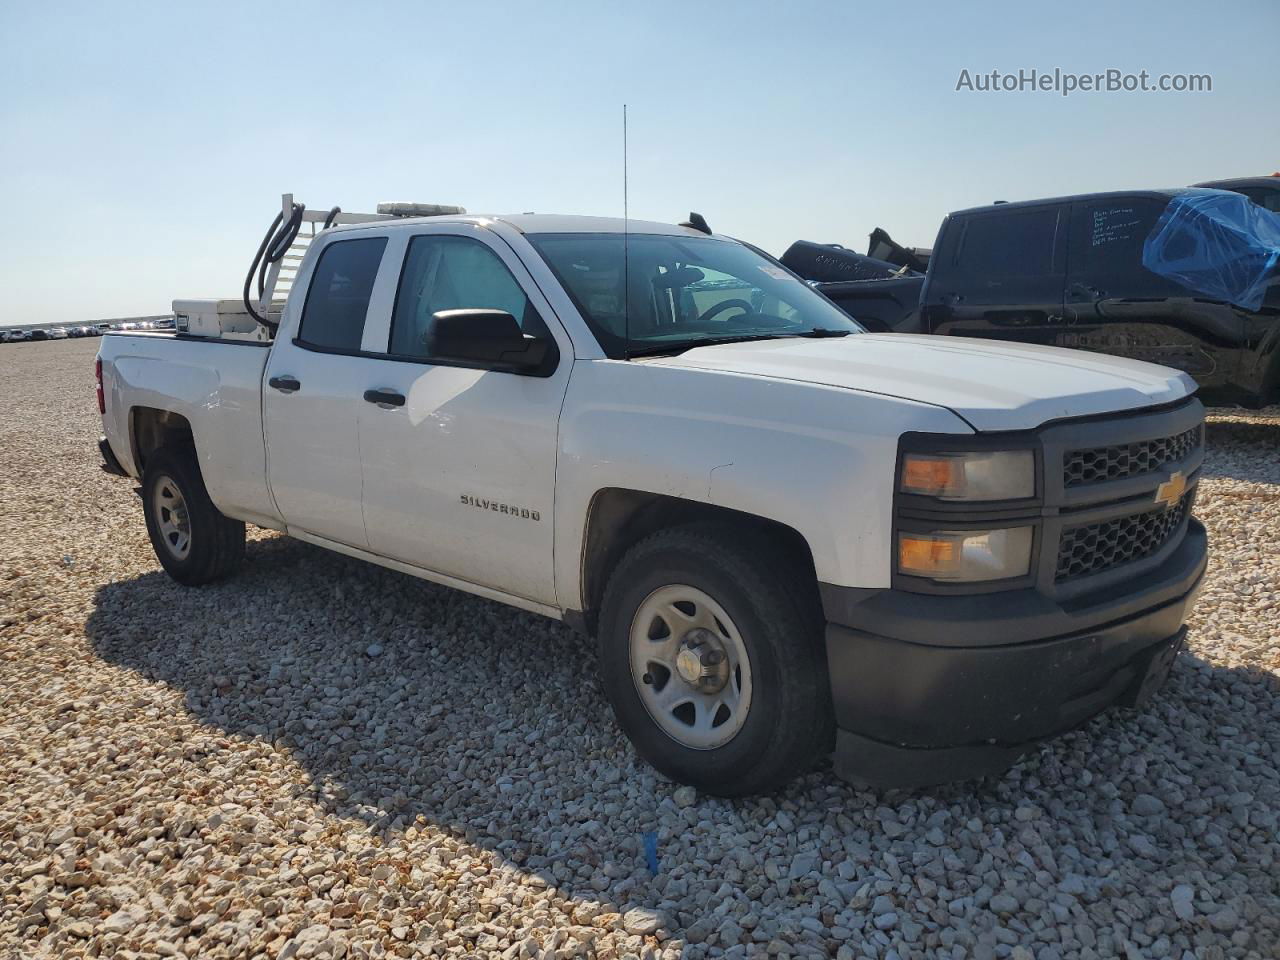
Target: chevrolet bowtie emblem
column 1170, row 492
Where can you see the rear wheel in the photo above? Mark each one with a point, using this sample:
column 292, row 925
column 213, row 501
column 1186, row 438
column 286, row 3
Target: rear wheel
column 711, row 653
column 193, row 541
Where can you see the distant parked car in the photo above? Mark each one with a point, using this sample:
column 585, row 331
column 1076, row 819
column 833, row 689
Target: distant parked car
column 1264, row 191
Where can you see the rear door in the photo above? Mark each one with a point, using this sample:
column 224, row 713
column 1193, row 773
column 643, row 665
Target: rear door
column 312, row 397
column 1115, row 305
column 459, row 470
column 1000, row 275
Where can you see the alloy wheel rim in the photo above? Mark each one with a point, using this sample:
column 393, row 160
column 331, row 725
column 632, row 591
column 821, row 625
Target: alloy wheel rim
column 690, row 667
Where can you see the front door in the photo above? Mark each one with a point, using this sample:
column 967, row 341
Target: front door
column 459, row 461
column 311, row 401
column 1001, row 278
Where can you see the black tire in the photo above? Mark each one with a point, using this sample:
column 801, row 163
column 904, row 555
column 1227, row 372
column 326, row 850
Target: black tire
column 773, row 602
column 216, row 543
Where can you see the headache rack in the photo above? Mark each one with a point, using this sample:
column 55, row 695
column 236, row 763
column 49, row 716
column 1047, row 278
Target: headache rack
column 256, row 313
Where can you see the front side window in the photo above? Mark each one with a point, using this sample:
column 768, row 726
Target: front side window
column 675, row 292
column 453, row 273
column 338, row 298
column 1018, row 243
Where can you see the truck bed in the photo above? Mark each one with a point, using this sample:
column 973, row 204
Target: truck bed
column 216, row 387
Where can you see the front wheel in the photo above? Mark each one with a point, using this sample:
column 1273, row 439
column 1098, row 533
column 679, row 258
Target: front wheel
column 193, row 541
column 711, row 653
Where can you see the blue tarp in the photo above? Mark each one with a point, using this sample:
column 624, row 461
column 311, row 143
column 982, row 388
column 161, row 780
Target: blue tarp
column 1222, row 245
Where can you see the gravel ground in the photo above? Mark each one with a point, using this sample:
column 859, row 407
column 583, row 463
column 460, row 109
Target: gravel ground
column 325, row 759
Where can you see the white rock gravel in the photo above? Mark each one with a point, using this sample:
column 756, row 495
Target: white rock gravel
column 234, row 771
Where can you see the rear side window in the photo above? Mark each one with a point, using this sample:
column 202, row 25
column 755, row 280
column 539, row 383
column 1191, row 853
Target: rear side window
column 1108, row 234
column 1015, row 244
column 338, row 298
column 1267, row 199
column 453, row 273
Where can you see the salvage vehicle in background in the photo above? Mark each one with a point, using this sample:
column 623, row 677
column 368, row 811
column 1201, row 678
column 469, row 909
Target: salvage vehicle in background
column 1070, row 272
column 879, row 294
column 1264, row 191
column 792, row 538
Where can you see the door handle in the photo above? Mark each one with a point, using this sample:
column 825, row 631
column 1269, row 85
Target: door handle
column 385, row 398
column 285, row 384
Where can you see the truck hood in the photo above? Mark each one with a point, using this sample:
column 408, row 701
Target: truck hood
column 991, row 384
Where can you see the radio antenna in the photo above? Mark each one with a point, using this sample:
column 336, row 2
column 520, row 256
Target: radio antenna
column 626, row 260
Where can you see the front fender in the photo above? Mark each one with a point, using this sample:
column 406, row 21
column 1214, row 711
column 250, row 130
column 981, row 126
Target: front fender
column 815, row 458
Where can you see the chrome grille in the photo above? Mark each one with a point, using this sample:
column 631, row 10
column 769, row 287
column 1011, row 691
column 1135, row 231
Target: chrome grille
column 1098, row 547
column 1100, row 464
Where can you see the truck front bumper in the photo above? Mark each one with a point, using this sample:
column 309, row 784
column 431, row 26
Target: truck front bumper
column 929, row 689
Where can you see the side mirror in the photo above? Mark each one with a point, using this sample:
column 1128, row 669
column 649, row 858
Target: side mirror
column 491, row 337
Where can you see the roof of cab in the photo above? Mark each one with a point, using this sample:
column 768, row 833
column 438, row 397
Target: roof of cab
column 533, row 223
column 1270, row 183
column 1164, row 194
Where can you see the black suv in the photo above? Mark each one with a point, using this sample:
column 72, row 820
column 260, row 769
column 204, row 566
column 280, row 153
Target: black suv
column 1264, row 191
column 1069, row 272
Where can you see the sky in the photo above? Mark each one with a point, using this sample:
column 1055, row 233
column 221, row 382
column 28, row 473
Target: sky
column 144, row 146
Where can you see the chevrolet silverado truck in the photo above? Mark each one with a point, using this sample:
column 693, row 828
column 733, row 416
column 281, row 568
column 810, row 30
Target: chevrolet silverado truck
column 792, row 539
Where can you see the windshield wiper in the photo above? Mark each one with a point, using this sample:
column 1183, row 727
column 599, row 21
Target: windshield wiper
column 680, row 346
column 818, row 333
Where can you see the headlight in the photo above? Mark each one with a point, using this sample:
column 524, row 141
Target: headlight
column 966, row 555
column 997, row 475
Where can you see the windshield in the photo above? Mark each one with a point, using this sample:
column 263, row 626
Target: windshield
column 683, row 291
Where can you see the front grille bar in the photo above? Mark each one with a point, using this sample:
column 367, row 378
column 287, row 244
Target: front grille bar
column 1098, row 547
column 1102, row 464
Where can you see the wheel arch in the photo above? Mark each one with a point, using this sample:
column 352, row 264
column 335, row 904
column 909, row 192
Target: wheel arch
column 151, row 428
column 619, row 517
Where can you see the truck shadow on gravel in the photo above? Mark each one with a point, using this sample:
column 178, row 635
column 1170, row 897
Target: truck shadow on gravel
column 401, row 700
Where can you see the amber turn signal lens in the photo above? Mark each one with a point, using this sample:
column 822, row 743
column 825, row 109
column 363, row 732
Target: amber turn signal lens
column 925, row 556
column 932, row 476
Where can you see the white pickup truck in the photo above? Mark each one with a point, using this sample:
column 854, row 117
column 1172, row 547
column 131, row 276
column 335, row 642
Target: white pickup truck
column 793, row 539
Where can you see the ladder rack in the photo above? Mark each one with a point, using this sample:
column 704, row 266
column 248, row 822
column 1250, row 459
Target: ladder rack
column 282, row 273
